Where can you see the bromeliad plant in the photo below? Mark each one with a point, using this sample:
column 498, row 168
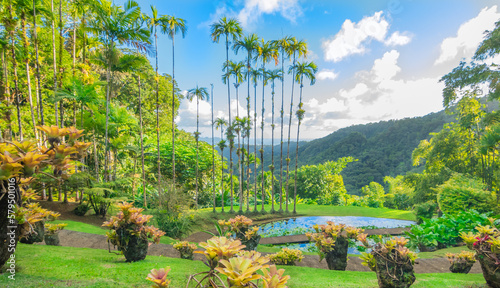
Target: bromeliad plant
column 241, row 227
column 52, row 233
column 130, row 233
column 391, row 260
column 159, row 277
column 333, row 241
column 486, row 244
column 461, row 262
column 186, row 249
column 241, row 268
column 286, row 256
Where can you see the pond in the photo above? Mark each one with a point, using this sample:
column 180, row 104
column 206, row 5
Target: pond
column 301, row 225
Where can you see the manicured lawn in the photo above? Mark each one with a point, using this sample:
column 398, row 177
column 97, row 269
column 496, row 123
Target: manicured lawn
column 88, row 228
column 49, row 266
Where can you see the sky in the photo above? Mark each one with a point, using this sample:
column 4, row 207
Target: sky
column 377, row 60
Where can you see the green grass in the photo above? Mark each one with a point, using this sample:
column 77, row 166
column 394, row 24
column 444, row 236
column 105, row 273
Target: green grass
column 88, row 228
column 49, row 266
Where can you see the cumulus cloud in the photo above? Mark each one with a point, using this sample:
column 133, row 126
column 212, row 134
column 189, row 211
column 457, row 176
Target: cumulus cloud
column 468, row 37
column 327, row 74
column 253, row 9
column 379, row 94
column 398, row 39
column 353, row 37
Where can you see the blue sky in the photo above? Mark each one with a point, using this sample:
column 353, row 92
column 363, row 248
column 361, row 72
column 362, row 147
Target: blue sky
column 377, row 60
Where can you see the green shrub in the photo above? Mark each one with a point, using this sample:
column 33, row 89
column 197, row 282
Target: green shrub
column 462, row 193
column 286, row 256
column 175, row 225
column 424, row 211
column 81, row 209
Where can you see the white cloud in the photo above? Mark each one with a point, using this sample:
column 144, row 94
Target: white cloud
column 253, row 9
column 398, row 39
column 352, row 37
column 468, row 37
column 386, row 67
column 327, row 74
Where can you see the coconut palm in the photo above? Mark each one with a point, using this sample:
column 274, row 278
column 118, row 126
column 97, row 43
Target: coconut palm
column 200, row 93
column 255, row 75
column 229, row 28
column 266, row 52
column 283, row 45
column 273, row 75
column 220, row 123
column 171, row 26
column 307, row 70
column 296, row 49
column 114, row 25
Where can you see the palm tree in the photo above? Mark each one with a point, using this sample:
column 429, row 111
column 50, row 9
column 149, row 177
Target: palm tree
column 113, row 24
column 199, row 93
column 230, row 28
column 171, row 26
column 250, row 44
column 266, row 52
column 220, row 123
column 54, row 57
column 39, row 89
column 235, row 69
column 284, row 48
column 273, row 75
column 255, row 75
column 153, row 22
column 303, row 69
column 297, row 48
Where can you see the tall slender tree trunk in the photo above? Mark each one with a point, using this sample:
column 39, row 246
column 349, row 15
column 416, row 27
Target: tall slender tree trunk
column 222, row 170
column 272, row 150
column 213, row 144
column 141, row 136
column 289, row 132
column 197, row 149
column 173, row 114
column 109, row 79
column 158, row 123
column 262, row 139
column 28, row 75
column 255, row 146
column 54, row 59
column 238, row 153
column 14, row 67
column 282, row 112
column 74, row 67
column 229, row 125
column 61, row 69
column 39, row 89
column 297, row 150
column 8, row 131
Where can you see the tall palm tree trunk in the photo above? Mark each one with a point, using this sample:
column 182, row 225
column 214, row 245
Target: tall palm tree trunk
column 141, row 136
column 240, row 190
column 222, row 170
column 109, row 77
column 61, row 69
column 54, row 59
column 28, row 75
column 262, row 141
column 197, row 148
column 157, row 124
column 7, row 115
column 272, row 150
column 282, row 112
column 39, row 89
column 288, row 145
column 255, row 145
column 297, row 151
column 213, row 145
column 14, row 66
column 229, row 125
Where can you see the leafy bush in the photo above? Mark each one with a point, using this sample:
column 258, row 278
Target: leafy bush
column 462, row 193
column 186, row 249
column 445, row 231
column 175, row 225
column 241, row 227
column 81, row 209
column 374, row 195
column 286, row 257
column 424, row 211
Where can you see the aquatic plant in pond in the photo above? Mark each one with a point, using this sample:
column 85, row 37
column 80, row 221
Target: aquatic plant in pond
column 302, row 225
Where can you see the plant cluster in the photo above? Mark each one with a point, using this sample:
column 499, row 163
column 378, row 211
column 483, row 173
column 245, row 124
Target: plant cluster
column 446, row 230
column 52, row 229
column 286, row 256
column 130, row 224
column 391, row 260
column 159, row 277
column 186, row 249
column 240, row 227
column 326, row 236
column 241, row 268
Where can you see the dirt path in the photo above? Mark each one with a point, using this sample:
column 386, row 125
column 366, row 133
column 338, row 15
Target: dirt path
column 86, row 240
